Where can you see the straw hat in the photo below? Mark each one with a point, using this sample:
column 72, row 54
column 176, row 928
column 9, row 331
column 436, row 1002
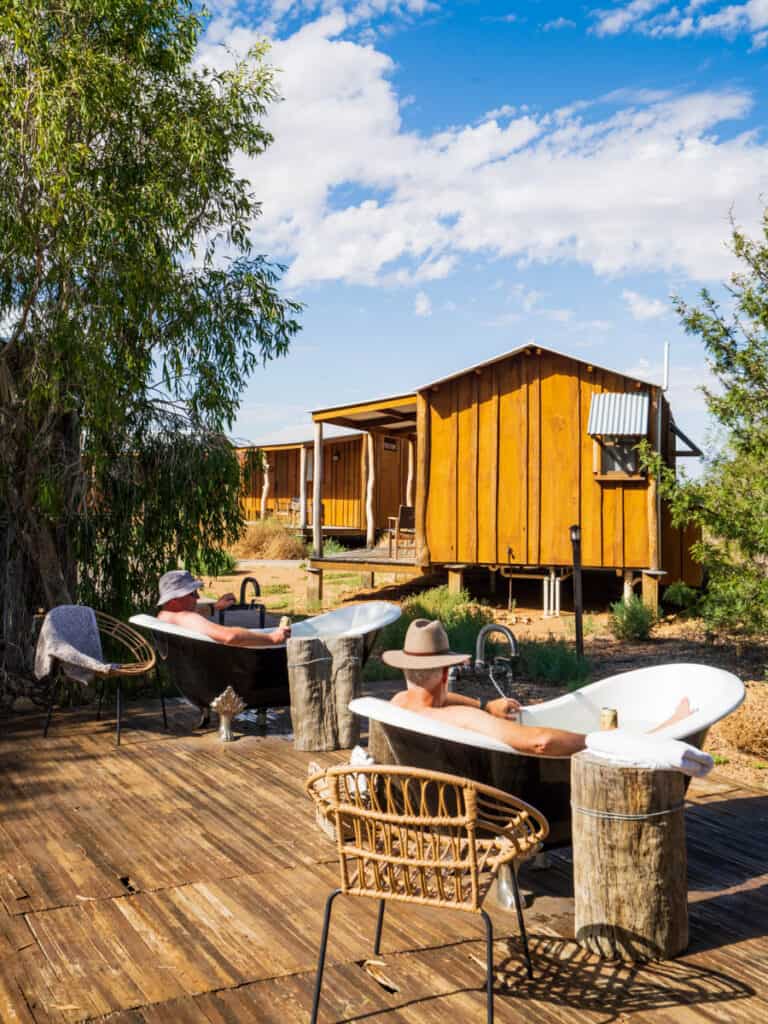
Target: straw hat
column 426, row 646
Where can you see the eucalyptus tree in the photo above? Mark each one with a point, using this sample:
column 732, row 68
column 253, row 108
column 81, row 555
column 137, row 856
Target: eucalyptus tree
column 132, row 307
column 730, row 500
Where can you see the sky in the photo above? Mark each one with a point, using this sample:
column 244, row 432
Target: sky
column 449, row 181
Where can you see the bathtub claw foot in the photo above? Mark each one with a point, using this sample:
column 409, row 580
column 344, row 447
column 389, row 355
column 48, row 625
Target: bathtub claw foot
column 205, row 718
column 227, row 706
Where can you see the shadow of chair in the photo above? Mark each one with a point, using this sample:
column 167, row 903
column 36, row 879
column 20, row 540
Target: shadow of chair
column 126, row 642
column 424, row 838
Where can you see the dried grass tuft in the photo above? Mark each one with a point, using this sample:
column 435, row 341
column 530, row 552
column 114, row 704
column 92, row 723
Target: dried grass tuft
column 269, row 538
column 747, row 728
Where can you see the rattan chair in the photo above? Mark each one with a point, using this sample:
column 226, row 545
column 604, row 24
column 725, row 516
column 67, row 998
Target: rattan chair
column 128, row 642
column 425, row 838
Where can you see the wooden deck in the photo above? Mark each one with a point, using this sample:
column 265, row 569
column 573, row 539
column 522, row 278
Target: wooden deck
column 181, row 881
column 367, row 560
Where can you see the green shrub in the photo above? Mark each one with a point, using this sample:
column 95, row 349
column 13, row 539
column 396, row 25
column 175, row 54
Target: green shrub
column 682, row 597
column 554, row 662
column 631, row 620
column 375, row 670
column 462, row 618
column 214, row 563
column 331, row 546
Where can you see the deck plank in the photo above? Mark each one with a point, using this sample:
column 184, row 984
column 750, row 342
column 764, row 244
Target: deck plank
column 181, row 881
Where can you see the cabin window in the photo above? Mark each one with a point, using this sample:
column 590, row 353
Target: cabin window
column 390, row 444
column 619, row 457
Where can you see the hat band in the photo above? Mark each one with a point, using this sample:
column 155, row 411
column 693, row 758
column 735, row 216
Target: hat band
column 425, row 654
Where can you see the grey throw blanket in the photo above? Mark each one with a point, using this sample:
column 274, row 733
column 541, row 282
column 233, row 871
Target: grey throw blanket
column 69, row 635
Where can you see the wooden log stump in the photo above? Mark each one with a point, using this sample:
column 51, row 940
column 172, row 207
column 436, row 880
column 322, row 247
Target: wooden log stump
column 324, row 676
column 629, row 860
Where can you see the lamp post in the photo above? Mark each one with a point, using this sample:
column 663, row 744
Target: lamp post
column 578, row 604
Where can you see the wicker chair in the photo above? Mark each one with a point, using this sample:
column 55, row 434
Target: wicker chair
column 425, row 838
column 128, row 642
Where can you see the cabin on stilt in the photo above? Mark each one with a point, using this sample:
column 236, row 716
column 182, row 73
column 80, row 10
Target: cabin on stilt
column 283, row 485
column 505, row 456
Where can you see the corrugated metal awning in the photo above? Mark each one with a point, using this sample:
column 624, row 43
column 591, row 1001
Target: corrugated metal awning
column 618, row 414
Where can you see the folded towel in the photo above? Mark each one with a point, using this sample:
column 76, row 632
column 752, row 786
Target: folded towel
column 360, row 757
column 70, row 635
column 648, row 751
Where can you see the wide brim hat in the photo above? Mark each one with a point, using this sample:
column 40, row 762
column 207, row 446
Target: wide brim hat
column 177, row 583
column 425, row 646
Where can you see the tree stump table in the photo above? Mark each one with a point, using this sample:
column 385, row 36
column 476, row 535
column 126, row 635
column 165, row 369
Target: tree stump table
column 629, row 860
column 324, row 676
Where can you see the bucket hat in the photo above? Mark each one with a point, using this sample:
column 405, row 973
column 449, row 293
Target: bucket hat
column 177, row 583
column 426, row 646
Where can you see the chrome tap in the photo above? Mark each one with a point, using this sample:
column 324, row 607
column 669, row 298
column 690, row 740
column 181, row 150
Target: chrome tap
column 485, row 632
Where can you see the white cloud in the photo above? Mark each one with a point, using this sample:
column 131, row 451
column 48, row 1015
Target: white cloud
column 678, row 21
column 422, row 305
column 558, row 23
column 643, row 308
column 646, row 184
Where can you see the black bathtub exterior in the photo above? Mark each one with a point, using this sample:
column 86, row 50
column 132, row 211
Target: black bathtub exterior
column 543, row 782
column 202, row 670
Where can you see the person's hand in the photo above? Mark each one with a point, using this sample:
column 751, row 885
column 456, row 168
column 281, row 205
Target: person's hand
column 225, row 601
column 503, row 707
column 280, row 635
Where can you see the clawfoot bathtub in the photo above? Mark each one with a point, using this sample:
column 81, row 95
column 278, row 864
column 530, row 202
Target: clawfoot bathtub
column 201, row 668
column 643, row 698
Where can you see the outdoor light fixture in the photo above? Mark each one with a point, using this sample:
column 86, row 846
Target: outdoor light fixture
column 575, row 534
column 335, row 457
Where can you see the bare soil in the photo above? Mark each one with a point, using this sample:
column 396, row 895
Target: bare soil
column 739, row 743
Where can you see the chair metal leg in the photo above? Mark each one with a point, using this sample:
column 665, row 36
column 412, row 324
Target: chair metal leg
column 102, row 684
column 165, row 713
column 321, row 957
column 521, row 922
column 118, row 711
column 55, row 687
column 488, row 966
column 379, row 926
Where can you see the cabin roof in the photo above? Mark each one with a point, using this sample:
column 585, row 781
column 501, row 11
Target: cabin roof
column 530, row 347
column 393, row 415
column 291, row 446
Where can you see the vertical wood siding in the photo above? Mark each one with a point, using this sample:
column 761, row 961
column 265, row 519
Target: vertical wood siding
column 511, row 469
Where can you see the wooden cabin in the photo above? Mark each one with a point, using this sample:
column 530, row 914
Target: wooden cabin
column 284, row 483
column 513, row 452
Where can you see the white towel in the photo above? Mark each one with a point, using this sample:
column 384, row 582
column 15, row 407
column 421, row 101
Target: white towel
column 69, row 635
column 648, row 751
column 360, row 757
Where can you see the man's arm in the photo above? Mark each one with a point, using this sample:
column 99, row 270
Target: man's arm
column 528, row 739
column 500, row 707
column 232, row 635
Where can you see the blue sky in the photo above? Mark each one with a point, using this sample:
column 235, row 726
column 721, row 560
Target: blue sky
column 451, row 180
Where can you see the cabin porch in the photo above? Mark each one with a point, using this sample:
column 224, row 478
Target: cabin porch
column 178, row 880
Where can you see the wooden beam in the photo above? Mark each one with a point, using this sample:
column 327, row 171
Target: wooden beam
column 409, row 481
column 317, row 496
column 303, row 487
column 456, row 579
column 422, row 478
column 265, row 489
column 370, row 520
column 326, row 415
column 314, row 586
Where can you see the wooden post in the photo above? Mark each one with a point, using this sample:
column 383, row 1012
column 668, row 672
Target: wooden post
column 324, row 676
column 303, row 488
column 409, row 481
column 314, row 586
column 370, row 522
column 455, row 579
column 629, row 860
column 651, row 591
column 628, row 589
column 422, row 479
column 265, row 489
column 317, row 496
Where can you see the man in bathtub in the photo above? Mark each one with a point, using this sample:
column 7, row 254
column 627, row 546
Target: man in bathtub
column 425, row 660
column 177, row 601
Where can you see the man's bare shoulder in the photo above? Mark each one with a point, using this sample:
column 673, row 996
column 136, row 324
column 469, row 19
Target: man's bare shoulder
column 187, row 620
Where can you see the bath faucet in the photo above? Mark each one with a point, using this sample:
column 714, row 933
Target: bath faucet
column 482, row 636
column 256, row 589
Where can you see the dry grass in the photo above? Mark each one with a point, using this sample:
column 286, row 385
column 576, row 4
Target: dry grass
column 269, row 539
column 747, row 728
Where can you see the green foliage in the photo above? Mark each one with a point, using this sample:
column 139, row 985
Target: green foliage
column 276, row 588
column 132, row 309
column 375, row 671
column 213, row 563
column 682, row 597
column 553, row 661
column 631, row 620
column 462, row 618
column 730, row 501
column 331, row 546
